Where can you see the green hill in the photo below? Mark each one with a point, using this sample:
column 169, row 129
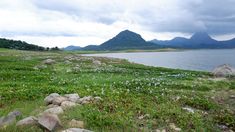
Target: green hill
column 19, row 45
column 125, row 40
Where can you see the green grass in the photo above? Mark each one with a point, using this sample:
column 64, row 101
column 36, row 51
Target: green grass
column 128, row 91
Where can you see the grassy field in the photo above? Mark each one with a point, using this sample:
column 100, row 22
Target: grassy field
column 135, row 97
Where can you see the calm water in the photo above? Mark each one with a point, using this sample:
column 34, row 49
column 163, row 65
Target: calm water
column 203, row 60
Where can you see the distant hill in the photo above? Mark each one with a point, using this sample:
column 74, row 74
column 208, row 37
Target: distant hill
column 71, row 48
column 19, row 45
column 197, row 41
column 125, row 40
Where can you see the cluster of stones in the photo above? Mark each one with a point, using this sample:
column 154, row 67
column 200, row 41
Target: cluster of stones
column 224, row 71
column 49, row 120
column 44, row 64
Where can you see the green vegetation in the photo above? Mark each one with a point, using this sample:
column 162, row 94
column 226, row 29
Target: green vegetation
column 135, row 97
column 20, row 45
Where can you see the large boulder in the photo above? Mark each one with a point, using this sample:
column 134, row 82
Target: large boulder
column 224, row 71
column 97, row 62
column 49, row 122
column 58, row 100
column 49, row 99
column 86, row 100
column 54, row 110
column 10, row 118
column 68, row 104
column 48, row 61
column 28, row 121
column 72, row 97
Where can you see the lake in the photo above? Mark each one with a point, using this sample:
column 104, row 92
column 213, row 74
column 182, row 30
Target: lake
column 200, row 60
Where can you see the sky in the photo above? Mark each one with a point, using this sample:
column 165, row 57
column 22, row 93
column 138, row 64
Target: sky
column 61, row 23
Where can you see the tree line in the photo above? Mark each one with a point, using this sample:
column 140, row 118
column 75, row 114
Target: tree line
column 21, row 45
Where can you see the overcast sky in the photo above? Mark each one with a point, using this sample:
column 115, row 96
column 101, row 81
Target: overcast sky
column 83, row 22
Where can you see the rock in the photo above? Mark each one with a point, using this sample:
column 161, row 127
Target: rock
column 72, row 97
column 67, row 62
column 143, row 116
column 59, row 100
column 158, row 130
column 15, row 113
column 188, row 109
column 9, row 119
column 222, row 127
column 96, row 62
column 51, row 97
column 76, row 68
column 49, row 121
column 85, row 100
column 76, row 130
column 31, row 120
column 48, row 61
column 39, row 67
column 77, row 124
column 176, row 98
column 232, row 96
column 97, row 98
column 223, row 71
column 67, row 104
column 54, row 110
column 173, row 127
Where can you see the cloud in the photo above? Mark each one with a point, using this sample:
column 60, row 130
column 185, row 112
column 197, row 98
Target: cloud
column 82, row 22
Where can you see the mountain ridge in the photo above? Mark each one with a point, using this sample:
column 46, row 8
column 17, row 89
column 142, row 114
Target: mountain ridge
column 71, row 48
column 196, row 41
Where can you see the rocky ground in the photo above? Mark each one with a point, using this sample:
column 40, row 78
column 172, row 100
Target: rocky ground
column 48, row 119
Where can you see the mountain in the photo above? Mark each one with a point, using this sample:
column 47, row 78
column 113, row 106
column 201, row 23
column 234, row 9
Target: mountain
column 19, row 45
column 229, row 43
column 197, row 41
column 125, row 40
column 91, row 47
column 71, row 48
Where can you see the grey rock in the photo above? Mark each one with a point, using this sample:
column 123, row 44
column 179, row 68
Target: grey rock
column 68, row 104
column 96, row 62
column 190, row 110
column 222, row 127
column 49, row 121
column 51, row 97
column 173, row 127
column 15, row 113
column 223, row 71
column 48, row 61
column 86, row 100
column 72, row 97
column 97, row 99
column 59, row 100
column 76, row 124
column 39, row 67
column 31, row 120
column 76, row 130
column 10, row 118
column 54, row 110
column 232, row 96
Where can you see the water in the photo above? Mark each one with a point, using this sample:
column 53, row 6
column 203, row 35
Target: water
column 201, row 60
